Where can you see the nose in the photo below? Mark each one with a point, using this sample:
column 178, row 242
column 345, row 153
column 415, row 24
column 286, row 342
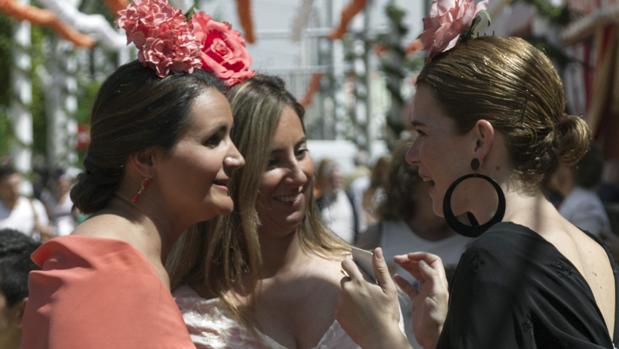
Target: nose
column 412, row 154
column 234, row 159
column 297, row 174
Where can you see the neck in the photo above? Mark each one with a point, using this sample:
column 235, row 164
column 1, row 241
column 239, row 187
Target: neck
column 429, row 231
column 279, row 254
column 157, row 233
column 530, row 210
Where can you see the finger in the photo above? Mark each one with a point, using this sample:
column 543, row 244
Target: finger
column 343, row 281
column 428, row 257
column 381, row 271
column 434, row 262
column 412, row 267
column 352, row 270
column 406, row 286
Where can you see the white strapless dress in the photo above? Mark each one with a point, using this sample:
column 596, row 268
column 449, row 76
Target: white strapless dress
column 212, row 326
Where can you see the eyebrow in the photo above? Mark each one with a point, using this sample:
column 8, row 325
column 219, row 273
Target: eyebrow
column 416, row 123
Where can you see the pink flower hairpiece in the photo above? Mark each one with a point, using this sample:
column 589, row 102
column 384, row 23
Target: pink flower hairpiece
column 168, row 42
column 448, row 20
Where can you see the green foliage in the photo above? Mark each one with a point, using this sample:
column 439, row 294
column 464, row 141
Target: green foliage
column 6, row 58
column 6, row 61
column 97, row 7
column 86, row 98
column 37, row 108
column 556, row 14
column 394, row 64
column 556, row 54
column 6, row 133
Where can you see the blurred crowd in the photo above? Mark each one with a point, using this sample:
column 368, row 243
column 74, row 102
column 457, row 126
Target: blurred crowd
column 45, row 214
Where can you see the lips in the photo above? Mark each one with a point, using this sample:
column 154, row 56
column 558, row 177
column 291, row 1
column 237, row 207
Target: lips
column 221, row 184
column 426, row 179
column 293, row 200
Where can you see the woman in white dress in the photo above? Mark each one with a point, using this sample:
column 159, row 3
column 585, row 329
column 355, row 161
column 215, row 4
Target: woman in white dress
column 268, row 275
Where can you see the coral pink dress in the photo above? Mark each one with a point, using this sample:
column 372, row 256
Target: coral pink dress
column 99, row 293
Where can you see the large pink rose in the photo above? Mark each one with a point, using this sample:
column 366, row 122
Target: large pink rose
column 163, row 36
column 448, row 19
column 223, row 49
column 141, row 17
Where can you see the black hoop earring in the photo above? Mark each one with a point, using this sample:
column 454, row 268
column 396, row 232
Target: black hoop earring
column 475, row 230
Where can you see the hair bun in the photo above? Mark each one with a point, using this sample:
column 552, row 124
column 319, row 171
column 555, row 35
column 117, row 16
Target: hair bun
column 95, row 188
column 572, row 139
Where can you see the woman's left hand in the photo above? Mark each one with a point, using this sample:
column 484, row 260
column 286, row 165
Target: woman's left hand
column 369, row 313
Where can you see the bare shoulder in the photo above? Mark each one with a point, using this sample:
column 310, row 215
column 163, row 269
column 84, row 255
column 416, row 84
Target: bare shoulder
column 106, row 226
column 327, row 269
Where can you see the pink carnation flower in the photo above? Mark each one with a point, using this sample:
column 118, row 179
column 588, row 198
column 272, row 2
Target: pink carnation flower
column 223, row 49
column 162, row 35
column 448, row 19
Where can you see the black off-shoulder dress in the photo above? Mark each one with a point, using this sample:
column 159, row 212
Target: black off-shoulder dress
column 513, row 289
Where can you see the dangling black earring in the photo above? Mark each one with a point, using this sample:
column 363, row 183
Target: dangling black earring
column 475, row 230
column 475, row 164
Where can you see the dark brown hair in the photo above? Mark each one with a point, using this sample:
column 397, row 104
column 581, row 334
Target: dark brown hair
column 400, row 200
column 514, row 86
column 134, row 109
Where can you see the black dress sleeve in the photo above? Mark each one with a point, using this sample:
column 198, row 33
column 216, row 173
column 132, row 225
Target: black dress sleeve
column 484, row 311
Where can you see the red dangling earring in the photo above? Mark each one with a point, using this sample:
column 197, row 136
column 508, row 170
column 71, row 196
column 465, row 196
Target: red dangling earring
column 145, row 184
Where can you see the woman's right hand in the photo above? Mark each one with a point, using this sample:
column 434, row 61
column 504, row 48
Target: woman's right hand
column 429, row 298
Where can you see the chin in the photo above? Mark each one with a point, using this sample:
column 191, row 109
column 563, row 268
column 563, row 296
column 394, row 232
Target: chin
column 223, row 206
column 227, row 207
column 295, row 219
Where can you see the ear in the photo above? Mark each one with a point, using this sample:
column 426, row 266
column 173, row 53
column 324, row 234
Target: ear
column 143, row 161
column 484, row 134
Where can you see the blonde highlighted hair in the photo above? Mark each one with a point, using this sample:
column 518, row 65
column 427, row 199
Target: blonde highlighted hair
column 223, row 255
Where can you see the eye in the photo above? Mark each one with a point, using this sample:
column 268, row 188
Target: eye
column 215, row 139
column 272, row 162
column 300, row 153
column 420, row 133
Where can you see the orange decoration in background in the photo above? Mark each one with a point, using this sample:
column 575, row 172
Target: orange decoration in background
column 116, row 5
column 413, row 47
column 47, row 18
column 350, row 11
column 314, row 86
column 243, row 8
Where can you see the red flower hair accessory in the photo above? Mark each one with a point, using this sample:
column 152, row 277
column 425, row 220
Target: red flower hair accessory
column 168, row 42
column 448, row 20
column 223, row 49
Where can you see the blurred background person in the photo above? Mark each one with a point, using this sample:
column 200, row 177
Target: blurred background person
column 58, row 202
column 19, row 212
column 359, row 183
column 15, row 264
column 577, row 186
column 336, row 208
column 375, row 193
column 609, row 188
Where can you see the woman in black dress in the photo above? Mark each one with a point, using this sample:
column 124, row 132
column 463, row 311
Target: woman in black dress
column 489, row 114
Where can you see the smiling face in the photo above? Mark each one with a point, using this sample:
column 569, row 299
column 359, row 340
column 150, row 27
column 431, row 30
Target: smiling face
column 193, row 176
column 285, row 187
column 440, row 152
